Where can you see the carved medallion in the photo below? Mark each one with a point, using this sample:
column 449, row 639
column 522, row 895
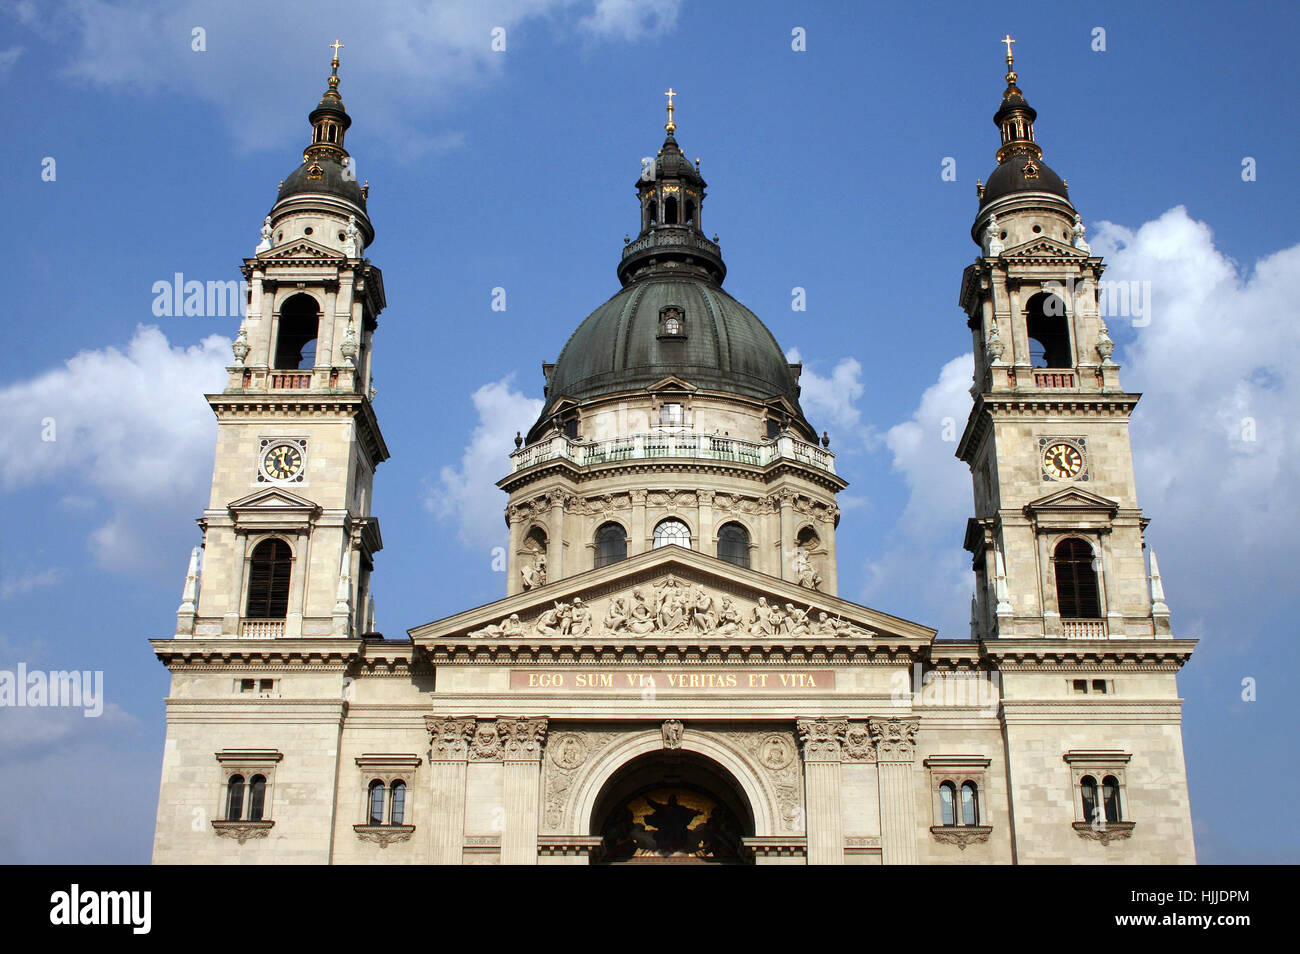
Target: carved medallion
column 776, row 751
column 568, row 750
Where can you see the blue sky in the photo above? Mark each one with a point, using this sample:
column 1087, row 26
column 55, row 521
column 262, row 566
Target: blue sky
column 515, row 169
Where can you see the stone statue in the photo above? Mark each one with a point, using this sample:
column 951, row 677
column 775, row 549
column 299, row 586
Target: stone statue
column 1078, row 232
column 616, row 616
column 352, row 243
column 579, row 618
column 804, row 570
column 508, row 627
column 641, row 618
column 554, row 621
column 534, row 572
column 1105, row 346
column 265, row 244
column 672, row 732
column 993, row 238
column 994, row 347
column 730, row 621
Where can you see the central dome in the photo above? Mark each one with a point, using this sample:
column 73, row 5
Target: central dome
column 630, row 342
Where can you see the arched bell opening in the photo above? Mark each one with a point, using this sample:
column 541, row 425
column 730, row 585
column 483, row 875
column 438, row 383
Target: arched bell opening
column 672, row 807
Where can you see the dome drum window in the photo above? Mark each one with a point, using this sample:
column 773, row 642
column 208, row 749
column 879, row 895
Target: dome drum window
column 672, row 531
column 672, row 322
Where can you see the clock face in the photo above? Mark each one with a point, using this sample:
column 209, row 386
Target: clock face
column 282, row 461
column 1062, row 460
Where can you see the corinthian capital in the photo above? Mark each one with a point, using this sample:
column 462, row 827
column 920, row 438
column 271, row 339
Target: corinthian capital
column 449, row 737
column 895, row 739
column 523, row 738
column 822, row 738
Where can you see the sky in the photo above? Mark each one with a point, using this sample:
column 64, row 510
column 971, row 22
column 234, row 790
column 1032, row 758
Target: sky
column 502, row 141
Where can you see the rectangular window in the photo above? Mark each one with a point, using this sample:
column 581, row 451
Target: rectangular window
column 670, row 415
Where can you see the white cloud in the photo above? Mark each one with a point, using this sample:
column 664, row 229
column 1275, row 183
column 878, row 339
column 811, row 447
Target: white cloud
column 130, row 427
column 830, row 402
column 1214, row 435
column 28, row 581
column 264, row 65
column 924, row 573
column 632, row 19
column 468, row 493
column 8, row 58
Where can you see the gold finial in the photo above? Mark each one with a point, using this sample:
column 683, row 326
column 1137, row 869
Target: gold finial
column 335, row 46
column 670, row 126
column 1008, row 41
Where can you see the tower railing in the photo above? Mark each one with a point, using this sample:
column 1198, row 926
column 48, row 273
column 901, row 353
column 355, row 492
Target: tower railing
column 672, row 444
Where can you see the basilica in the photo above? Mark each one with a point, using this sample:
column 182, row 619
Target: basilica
column 671, row 676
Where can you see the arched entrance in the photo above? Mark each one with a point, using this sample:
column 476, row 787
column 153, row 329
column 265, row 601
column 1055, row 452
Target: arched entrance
column 672, row 807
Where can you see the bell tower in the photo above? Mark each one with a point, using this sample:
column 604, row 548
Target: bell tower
column 1057, row 536
column 288, row 538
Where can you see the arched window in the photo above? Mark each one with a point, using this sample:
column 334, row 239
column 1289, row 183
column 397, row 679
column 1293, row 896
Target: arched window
column 652, row 213
column 733, row 544
column 948, row 803
column 398, row 815
column 611, row 544
column 1110, row 797
column 1048, row 329
column 969, row 804
column 376, row 816
column 672, row 531
column 256, row 797
column 690, row 211
column 295, row 345
column 670, row 210
column 1077, row 596
column 1088, row 786
column 235, row 798
column 268, row 580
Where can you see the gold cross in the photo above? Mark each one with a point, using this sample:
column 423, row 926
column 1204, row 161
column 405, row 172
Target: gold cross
column 1008, row 41
column 670, row 94
column 335, row 46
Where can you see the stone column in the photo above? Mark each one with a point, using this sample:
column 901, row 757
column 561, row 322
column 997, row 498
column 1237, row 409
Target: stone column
column 298, row 586
column 555, row 540
column 822, row 740
column 830, row 578
column 524, row 740
column 636, row 544
column 704, row 499
column 449, row 745
column 786, row 499
column 895, row 749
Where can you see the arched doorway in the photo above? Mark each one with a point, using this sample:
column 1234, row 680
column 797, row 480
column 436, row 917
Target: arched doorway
column 672, row 807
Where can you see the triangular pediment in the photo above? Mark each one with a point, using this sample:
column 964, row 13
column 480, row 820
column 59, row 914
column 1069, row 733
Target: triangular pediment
column 273, row 498
column 1043, row 247
column 672, row 383
column 301, row 249
column 672, row 595
column 1071, row 498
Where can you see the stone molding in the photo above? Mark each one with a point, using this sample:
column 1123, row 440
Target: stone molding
column 242, row 831
column 961, row 835
column 1111, row 831
column 384, row 835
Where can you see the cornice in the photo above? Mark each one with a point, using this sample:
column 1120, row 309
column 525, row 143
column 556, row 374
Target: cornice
column 218, row 653
column 1011, row 654
column 622, row 652
column 581, row 474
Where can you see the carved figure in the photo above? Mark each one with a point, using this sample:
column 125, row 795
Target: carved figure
column 265, row 244
column 993, row 238
column 579, row 618
column 534, row 572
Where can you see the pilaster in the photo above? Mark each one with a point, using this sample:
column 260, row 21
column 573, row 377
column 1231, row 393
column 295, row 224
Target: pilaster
column 449, row 747
column 524, row 741
column 822, row 740
column 895, row 741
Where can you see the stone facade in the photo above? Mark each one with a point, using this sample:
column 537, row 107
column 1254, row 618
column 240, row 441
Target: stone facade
column 689, row 702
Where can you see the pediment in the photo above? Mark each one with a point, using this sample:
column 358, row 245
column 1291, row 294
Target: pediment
column 672, row 383
column 1071, row 498
column 674, row 595
column 272, row 509
column 273, row 498
column 1043, row 247
column 301, row 249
